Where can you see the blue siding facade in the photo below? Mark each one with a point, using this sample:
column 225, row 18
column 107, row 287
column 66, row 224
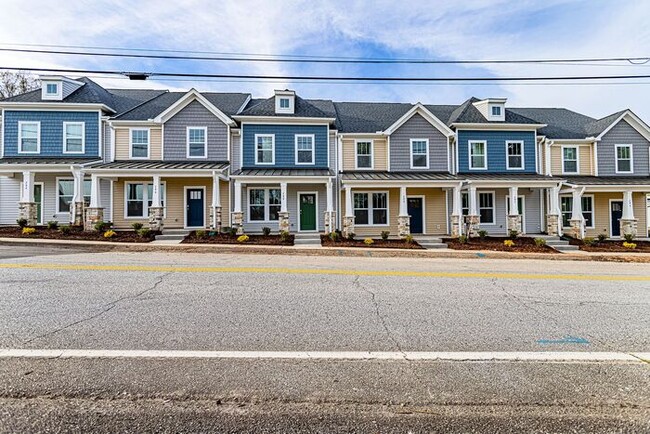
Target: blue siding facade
column 285, row 155
column 51, row 131
column 496, row 150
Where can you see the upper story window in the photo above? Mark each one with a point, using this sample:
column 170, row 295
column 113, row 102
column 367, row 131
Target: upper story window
column 284, row 103
column 624, row 159
column 496, row 110
column 371, row 208
column 570, row 159
column 305, row 149
column 52, row 89
column 477, row 155
column 419, row 153
column 140, row 143
column 363, row 154
column 264, row 149
column 29, row 137
column 197, row 142
column 515, row 158
column 74, row 140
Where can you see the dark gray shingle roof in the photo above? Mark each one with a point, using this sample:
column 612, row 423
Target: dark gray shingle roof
column 597, row 127
column 562, row 123
column 368, row 117
column 307, row 108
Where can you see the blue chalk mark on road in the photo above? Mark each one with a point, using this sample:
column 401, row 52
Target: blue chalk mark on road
column 564, row 340
column 480, row 255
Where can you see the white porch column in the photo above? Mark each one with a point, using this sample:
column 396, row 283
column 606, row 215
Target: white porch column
column 283, row 197
column 27, row 188
column 330, row 216
column 514, row 218
column 237, row 215
column 348, row 202
column 554, row 214
column 577, row 219
column 403, row 219
column 156, row 210
column 283, row 217
column 215, row 208
column 95, row 192
column 155, row 192
column 27, row 208
column 348, row 219
column 629, row 224
column 473, row 218
column 237, row 204
column 77, row 205
column 94, row 212
column 473, row 201
column 457, row 211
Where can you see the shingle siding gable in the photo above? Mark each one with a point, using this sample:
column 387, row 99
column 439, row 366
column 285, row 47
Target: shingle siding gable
column 417, row 128
column 622, row 134
column 285, row 144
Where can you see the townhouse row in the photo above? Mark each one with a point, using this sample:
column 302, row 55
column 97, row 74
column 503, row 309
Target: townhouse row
column 76, row 152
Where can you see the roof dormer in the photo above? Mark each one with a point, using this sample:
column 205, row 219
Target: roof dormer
column 285, row 102
column 493, row 109
column 57, row 88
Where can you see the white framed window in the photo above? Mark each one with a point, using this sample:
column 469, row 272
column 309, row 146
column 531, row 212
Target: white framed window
column 29, row 137
column 140, row 145
column 264, row 149
column 52, row 88
column 570, row 163
column 65, row 194
column 305, row 148
column 496, row 110
column 486, row 208
column 264, row 204
column 515, row 157
column 138, row 198
column 419, row 153
column 363, row 154
column 284, row 103
column 197, row 142
column 624, row 162
column 465, row 203
column 74, row 137
column 371, row 208
column 477, row 154
column 566, row 208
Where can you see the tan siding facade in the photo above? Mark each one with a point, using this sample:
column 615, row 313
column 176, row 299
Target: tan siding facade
column 379, row 150
column 585, row 160
column 602, row 212
column 123, row 144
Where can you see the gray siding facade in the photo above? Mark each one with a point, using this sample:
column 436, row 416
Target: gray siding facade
column 418, row 128
column 622, row 134
column 9, row 197
column 194, row 115
column 106, row 142
column 235, row 153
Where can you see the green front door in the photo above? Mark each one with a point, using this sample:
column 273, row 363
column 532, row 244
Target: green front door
column 38, row 198
column 307, row 212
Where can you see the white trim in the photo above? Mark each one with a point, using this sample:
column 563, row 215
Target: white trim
column 185, row 100
column 522, row 210
column 411, row 153
column 56, row 96
column 424, row 209
column 631, row 147
column 498, row 126
column 187, row 142
column 420, row 109
column 148, row 130
column 20, row 138
column 564, row 172
column 609, row 212
column 112, row 200
column 185, row 206
column 298, row 210
column 640, row 126
column 313, row 148
column 372, row 154
column 370, row 208
column 523, row 154
column 257, row 163
column 145, row 198
column 42, row 216
column 469, row 155
column 55, row 105
column 83, row 137
column 267, row 213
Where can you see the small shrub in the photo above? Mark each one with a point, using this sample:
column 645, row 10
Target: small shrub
column 21, row 222
column 136, row 226
column 629, row 245
column 408, row 239
column 28, row 231
column 225, row 230
column 351, row 236
column 462, row 239
column 589, row 241
column 334, row 236
column 53, row 225
column 266, row 231
column 384, row 235
column 508, row 243
column 65, row 229
column 285, row 236
column 109, row 233
column 102, row 226
column 200, row 233
column 628, row 238
column 514, row 234
column 602, row 237
column 242, row 239
column 144, row 233
column 540, row 242
column 232, row 232
column 368, row 241
column 482, row 234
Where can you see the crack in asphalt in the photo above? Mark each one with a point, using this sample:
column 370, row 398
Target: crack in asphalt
column 107, row 308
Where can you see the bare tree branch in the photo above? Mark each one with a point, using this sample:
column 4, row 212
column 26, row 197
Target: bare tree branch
column 16, row 83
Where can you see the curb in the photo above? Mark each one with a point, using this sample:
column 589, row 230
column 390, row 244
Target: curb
column 322, row 251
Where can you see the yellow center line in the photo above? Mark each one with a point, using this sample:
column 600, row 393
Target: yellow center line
column 283, row 270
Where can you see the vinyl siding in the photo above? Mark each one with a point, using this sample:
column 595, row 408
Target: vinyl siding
column 9, row 197
column 235, row 153
column 106, row 141
column 585, row 159
column 622, row 134
column 123, row 143
column 67, row 88
column 285, row 144
column 195, row 115
column 418, row 128
column 380, row 150
column 496, row 150
column 602, row 212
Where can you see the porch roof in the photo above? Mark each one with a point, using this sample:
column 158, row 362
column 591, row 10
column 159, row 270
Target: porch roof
column 283, row 172
column 608, row 180
column 161, row 165
column 47, row 160
column 399, row 176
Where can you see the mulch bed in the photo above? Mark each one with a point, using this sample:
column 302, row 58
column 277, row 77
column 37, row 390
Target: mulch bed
column 220, row 238
column 611, row 246
column 378, row 243
column 495, row 244
column 77, row 234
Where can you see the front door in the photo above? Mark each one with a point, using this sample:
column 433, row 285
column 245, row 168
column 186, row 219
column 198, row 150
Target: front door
column 38, row 198
column 195, row 208
column 307, row 212
column 616, row 214
column 415, row 210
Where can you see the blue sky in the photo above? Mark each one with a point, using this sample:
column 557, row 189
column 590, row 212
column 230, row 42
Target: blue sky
column 473, row 29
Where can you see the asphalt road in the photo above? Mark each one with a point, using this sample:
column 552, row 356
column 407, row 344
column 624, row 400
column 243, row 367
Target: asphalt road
column 58, row 299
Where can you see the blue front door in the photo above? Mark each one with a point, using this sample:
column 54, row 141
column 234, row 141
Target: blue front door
column 195, row 213
column 617, row 213
column 415, row 210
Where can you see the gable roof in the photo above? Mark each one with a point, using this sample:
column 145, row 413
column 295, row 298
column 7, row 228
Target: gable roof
column 469, row 114
column 368, row 117
column 426, row 114
column 303, row 108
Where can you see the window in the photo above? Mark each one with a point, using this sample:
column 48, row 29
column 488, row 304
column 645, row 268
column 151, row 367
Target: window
column 477, row 157
column 486, row 208
column 284, row 103
column 29, row 137
column 139, row 199
column 566, row 207
column 65, row 194
column 515, row 155
column 264, row 204
column 52, row 89
column 570, row 159
column 139, row 143
column 371, row 209
column 419, row 153
column 496, row 110
column 264, row 149
column 304, row 149
column 465, row 203
column 364, row 154
column 74, row 140
column 197, row 142
column 624, row 159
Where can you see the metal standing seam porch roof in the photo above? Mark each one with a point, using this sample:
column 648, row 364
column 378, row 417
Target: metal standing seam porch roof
column 283, row 172
column 162, row 165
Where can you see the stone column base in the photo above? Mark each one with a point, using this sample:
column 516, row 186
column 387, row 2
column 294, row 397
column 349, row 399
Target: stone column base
column 472, row 224
column 348, row 226
column 283, row 222
column 93, row 215
column 77, row 214
column 330, row 221
column 514, row 223
column 238, row 221
column 456, row 225
column 28, row 211
column 629, row 226
column 577, row 228
column 553, row 224
column 403, row 225
column 156, row 218
column 215, row 218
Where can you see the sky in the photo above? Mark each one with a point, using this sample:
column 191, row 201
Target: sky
column 433, row 29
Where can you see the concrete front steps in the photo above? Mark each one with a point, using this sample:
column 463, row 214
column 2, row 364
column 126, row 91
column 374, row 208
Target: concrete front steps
column 558, row 244
column 430, row 242
column 307, row 239
column 171, row 236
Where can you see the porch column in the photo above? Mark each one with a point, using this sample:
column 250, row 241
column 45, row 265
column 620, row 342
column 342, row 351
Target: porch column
column 577, row 219
column 514, row 218
column 457, row 211
column 95, row 212
column 553, row 216
column 156, row 210
column 77, row 205
column 403, row 219
column 348, row 219
column 27, row 208
column 330, row 214
column 237, row 216
column 215, row 208
column 472, row 220
column 283, row 217
column 629, row 225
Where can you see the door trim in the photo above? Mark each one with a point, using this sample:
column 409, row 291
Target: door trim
column 522, row 211
column 609, row 211
column 42, row 201
column 189, row 187
column 298, row 193
column 424, row 209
